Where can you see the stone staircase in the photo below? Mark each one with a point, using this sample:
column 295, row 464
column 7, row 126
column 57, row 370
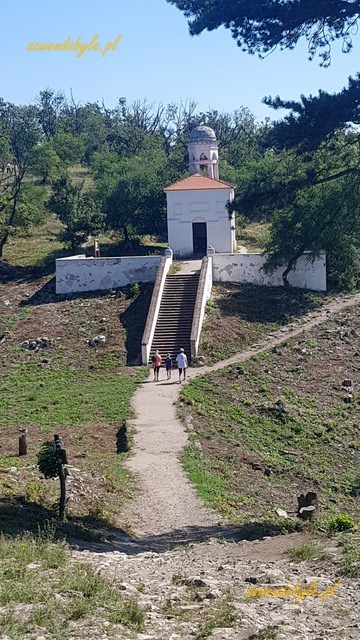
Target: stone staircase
column 173, row 327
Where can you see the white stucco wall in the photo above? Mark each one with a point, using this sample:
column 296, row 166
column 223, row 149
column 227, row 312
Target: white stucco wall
column 155, row 303
column 203, row 295
column 203, row 205
column 307, row 274
column 79, row 273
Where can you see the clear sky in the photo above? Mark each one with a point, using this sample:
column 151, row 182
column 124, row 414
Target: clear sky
column 155, row 59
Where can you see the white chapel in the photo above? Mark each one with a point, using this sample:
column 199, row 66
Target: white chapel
column 197, row 215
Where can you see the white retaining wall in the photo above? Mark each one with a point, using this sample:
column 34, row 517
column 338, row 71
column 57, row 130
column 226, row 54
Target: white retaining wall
column 78, row 273
column 246, row 267
column 153, row 312
column 203, row 295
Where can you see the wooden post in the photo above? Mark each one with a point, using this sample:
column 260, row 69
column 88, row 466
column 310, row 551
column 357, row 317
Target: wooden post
column 96, row 248
column 61, row 474
column 121, row 439
column 307, row 505
column 23, row 441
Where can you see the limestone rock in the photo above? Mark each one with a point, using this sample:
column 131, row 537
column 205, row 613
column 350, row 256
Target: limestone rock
column 97, row 340
column 37, row 343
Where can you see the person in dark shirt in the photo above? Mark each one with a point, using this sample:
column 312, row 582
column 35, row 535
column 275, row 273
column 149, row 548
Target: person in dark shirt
column 168, row 365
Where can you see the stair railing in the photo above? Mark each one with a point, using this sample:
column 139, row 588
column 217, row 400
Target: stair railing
column 203, row 294
column 148, row 335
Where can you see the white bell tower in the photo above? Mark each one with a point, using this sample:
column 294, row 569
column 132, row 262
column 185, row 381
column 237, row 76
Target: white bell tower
column 204, row 152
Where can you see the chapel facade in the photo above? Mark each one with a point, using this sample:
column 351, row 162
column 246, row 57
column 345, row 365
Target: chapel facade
column 197, row 214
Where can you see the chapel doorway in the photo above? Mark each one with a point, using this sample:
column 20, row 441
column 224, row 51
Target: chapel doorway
column 199, row 238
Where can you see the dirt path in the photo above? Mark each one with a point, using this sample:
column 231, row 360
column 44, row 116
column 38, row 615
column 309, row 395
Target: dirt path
column 166, row 501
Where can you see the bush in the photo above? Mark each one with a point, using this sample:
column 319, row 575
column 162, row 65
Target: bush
column 135, row 289
column 339, row 523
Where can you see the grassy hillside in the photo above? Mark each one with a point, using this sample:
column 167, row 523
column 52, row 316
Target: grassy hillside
column 280, row 424
column 240, row 315
column 83, row 393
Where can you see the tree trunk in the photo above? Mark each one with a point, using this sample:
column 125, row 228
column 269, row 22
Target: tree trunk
column 307, row 505
column 62, row 478
column 3, row 241
column 14, row 199
column 126, row 234
column 23, row 442
column 290, row 265
column 2, row 244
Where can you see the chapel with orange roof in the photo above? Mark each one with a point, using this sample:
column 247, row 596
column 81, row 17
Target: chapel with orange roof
column 197, row 214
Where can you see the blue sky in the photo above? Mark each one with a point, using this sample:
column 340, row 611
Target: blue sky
column 156, row 58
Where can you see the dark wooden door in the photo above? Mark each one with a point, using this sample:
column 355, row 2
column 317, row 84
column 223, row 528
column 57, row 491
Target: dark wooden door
column 199, row 238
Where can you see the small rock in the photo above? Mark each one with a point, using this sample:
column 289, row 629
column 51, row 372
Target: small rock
column 195, row 582
column 13, row 470
column 347, row 382
column 38, row 343
column 33, row 565
column 348, row 398
column 96, row 340
column 198, row 361
column 256, row 466
column 272, row 576
column 5, row 336
column 281, row 513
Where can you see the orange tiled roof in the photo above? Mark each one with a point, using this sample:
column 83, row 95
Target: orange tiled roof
column 198, row 181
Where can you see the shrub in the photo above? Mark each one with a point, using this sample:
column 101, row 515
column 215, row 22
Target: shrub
column 339, row 523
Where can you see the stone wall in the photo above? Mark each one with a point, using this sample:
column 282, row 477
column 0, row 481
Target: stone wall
column 247, row 267
column 78, row 273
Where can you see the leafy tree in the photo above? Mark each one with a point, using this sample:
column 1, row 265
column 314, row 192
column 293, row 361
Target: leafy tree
column 49, row 108
column 30, row 209
column 262, row 25
column 70, row 149
column 51, row 459
column 45, row 162
column 19, row 133
column 307, row 209
column 322, row 217
column 78, row 211
column 293, row 188
column 131, row 190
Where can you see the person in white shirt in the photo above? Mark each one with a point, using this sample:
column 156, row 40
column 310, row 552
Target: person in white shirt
column 182, row 363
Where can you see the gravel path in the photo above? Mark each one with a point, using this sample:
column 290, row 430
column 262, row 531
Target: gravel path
column 166, row 502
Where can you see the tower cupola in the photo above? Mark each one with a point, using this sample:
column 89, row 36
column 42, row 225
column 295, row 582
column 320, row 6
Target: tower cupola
column 204, row 152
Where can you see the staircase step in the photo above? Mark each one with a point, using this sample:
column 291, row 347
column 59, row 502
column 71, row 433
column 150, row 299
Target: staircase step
column 174, row 323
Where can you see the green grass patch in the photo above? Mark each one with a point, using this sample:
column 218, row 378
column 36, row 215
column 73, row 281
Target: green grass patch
column 339, row 523
column 40, row 573
column 39, row 247
column 210, row 481
column 34, row 396
column 240, row 314
column 220, row 617
column 307, row 552
column 350, row 556
column 273, row 427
